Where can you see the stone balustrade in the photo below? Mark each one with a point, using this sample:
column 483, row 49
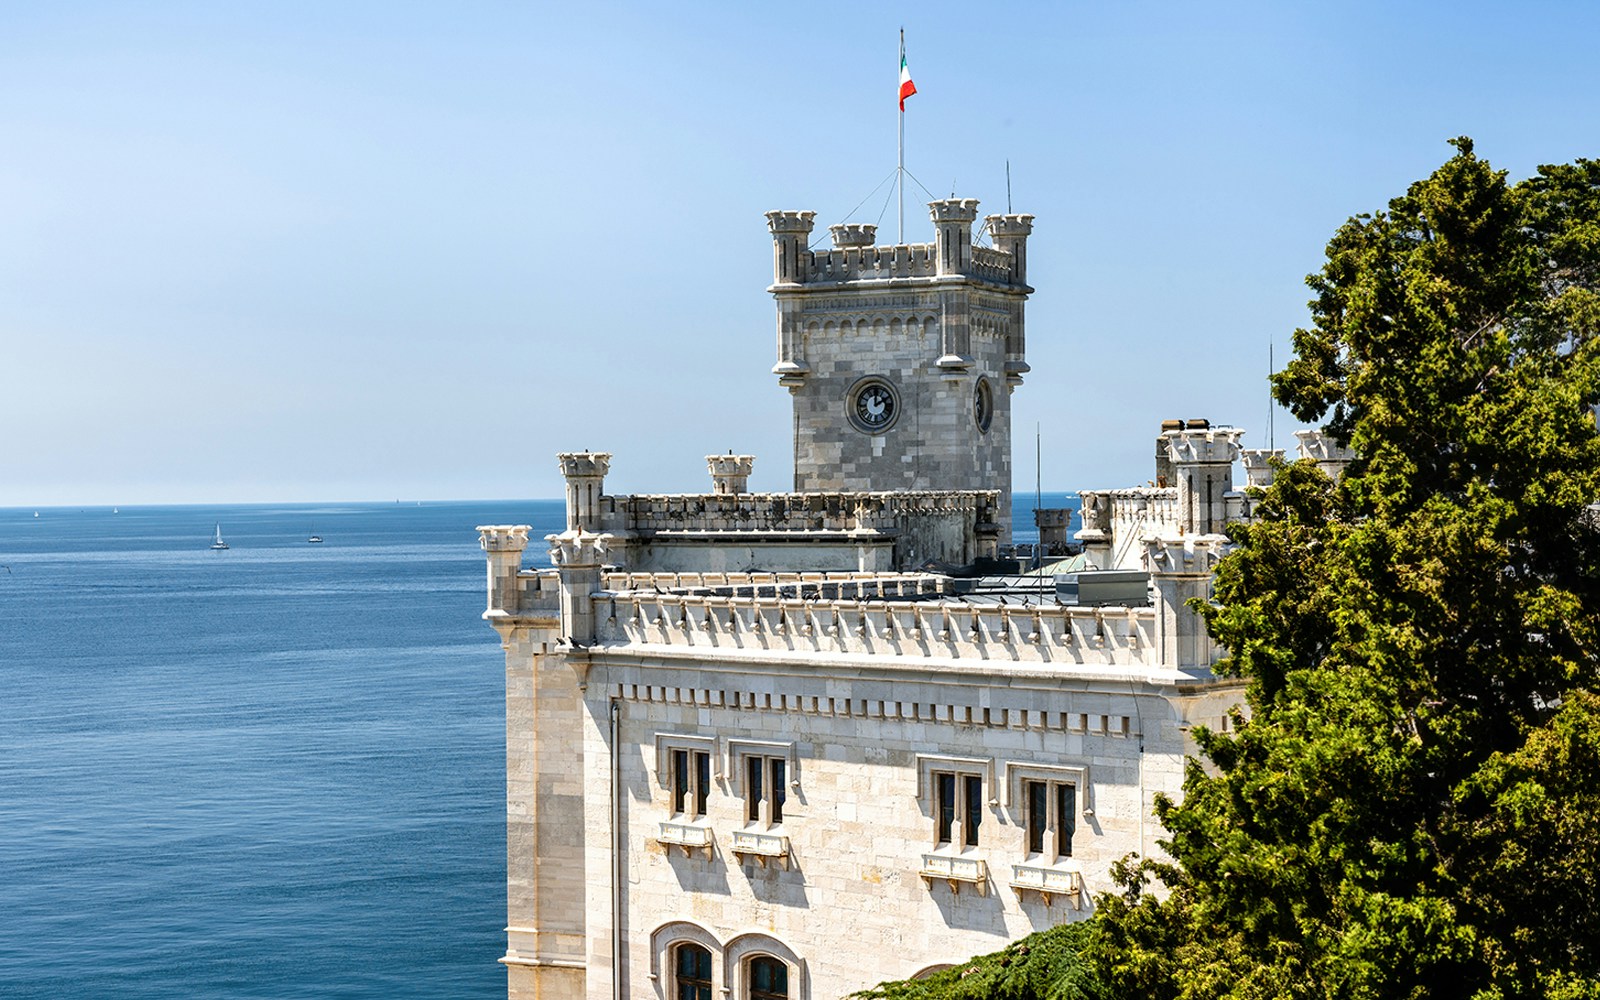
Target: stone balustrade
column 1046, row 634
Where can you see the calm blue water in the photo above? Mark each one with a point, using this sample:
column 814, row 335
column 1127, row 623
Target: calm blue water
column 275, row 771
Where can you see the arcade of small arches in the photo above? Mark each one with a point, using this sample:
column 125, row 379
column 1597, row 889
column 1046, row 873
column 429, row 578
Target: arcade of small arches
column 688, row 962
column 923, row 325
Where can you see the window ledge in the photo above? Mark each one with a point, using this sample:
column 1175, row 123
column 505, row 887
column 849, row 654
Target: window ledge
column 1048, row 881
column 761, row 846
column 956, row 869
column 689, row 836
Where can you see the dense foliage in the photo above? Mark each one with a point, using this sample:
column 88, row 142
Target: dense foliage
column 1049, row 965
column 1411, row 808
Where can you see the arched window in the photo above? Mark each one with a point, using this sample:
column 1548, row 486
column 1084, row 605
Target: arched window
column 691, row 968
column 769, row 979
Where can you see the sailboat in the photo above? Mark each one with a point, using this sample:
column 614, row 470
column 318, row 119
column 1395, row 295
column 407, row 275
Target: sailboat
column 219, row 543
column 315, row 538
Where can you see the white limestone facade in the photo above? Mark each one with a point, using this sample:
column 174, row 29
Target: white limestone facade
column 755, row 750
column 914, row 733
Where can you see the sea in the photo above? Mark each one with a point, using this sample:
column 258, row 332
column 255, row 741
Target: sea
column 274, row 770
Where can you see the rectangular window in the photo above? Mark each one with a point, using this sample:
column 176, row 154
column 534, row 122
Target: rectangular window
column 766, row 789
column 691, row 782
column 958, row 807
column 1038, row 815
column 945, row 797
column 1052, row 815
column 1066, row 818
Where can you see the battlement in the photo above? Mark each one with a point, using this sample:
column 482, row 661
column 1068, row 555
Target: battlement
column 855, row 262
column 872, row 263
column 790, row 512
column 856, row 257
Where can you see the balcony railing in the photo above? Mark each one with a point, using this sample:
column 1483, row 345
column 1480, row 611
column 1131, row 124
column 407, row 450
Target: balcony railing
column 956, row 869
column 761, row 846
column 1048, row 881
column 689, row 836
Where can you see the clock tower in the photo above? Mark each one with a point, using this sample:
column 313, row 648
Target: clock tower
column 902, row 359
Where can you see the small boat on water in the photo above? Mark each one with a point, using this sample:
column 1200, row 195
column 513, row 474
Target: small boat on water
column 315, row 540
column 219, row 543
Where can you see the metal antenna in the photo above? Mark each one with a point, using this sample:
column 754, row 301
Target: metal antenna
column 1272, row 411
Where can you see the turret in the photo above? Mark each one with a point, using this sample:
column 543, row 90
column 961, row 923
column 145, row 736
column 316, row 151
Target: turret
column 504, row 544
column 1010, row 233
column 790, row 236
column 952, row 229
column 853, row 234
column 730, row 473
column 585, row 472
column 1258, row 465
column 577, row 552
column 1095, row 534
column 1052, row 524
column 1202, row 463
column 1180, row 571
column 1331, row 457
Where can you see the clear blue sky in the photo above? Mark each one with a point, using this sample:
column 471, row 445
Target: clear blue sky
column 340, row 251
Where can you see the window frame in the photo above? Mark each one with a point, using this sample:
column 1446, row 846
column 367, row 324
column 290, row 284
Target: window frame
column 1048, row 834
column 1055, row 835
column 765, row 808
column 696, row 748
column 972, row 786
column 676, row 986
column 748, row 977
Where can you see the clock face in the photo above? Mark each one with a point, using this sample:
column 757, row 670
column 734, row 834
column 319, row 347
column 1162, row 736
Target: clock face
column 983, row 405
column 874, row 406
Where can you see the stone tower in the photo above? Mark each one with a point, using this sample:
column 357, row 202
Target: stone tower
column 901, row 359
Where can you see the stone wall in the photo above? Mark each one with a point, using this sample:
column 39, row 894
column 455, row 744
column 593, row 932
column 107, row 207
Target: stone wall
column 859, row 817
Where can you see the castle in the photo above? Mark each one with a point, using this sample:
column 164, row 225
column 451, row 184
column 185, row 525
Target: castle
column 790, row 745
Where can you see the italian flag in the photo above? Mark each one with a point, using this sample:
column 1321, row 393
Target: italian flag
column 907, row 88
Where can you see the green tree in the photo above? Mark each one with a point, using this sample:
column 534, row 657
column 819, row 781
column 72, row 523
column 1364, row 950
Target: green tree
column 1409, row 808
column 1049, row 965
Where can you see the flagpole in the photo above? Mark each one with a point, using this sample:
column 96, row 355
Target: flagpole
column 900, row 171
